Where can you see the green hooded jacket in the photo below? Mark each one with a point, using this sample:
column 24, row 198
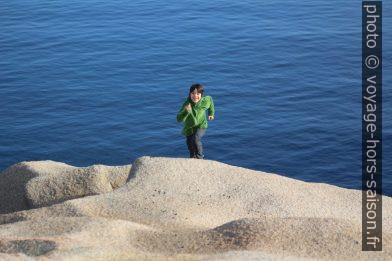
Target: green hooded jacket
column 197, row 117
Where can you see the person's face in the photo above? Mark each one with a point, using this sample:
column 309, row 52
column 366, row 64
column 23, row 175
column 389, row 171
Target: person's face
column 195, row 96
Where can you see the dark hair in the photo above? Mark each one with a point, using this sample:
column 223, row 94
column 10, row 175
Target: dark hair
column 198, row 87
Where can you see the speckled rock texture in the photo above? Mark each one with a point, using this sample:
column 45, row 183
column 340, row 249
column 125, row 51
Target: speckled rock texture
column 177, row 209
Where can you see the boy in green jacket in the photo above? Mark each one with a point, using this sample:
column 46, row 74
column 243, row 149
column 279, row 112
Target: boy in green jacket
column 192, row 113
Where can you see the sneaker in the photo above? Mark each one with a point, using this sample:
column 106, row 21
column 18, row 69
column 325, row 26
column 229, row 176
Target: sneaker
column 199, row 156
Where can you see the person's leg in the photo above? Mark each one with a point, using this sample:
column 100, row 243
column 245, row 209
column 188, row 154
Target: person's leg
column 190, row 142
column 199, row 146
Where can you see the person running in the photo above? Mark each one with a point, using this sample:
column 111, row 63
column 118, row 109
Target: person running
column 192, row 114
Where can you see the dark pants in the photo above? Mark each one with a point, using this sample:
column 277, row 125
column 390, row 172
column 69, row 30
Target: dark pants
column 194, row 144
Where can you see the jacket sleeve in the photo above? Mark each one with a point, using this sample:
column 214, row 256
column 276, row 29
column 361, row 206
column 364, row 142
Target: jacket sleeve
column 182, row 114
column 211, row 109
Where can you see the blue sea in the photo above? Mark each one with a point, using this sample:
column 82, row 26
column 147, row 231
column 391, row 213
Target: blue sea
column 100, row 82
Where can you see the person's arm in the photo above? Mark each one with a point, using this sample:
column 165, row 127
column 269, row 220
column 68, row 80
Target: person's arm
column 183, row 113
column 211, row 110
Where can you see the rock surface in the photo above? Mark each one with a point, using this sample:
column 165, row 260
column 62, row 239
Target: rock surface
column 177, row 209
column 41, row 183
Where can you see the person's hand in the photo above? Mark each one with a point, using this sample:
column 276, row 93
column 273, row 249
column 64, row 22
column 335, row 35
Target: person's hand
column 188, row 107
column 210, row 118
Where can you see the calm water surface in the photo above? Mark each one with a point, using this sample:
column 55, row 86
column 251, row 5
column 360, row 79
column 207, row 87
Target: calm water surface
column 101, row 82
